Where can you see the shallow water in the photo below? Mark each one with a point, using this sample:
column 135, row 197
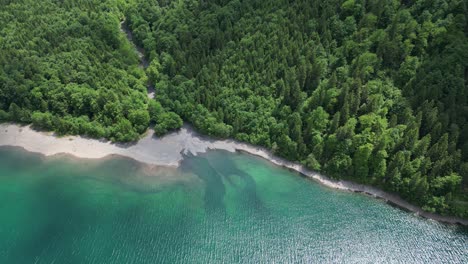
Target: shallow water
column 217, row 207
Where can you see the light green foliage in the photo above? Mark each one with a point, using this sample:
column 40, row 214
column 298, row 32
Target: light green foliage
column 123, row 131
column 42, row 120
column 140, row 119
column 353, row 88
column 361, row 160
column 65, row 66
column 373, row 91
column 153, row 70
column 167, row 121
column 446, row 184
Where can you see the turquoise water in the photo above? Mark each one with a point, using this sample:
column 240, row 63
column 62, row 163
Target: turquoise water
column 216, row 208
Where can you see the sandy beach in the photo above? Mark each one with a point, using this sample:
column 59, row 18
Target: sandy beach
column 164, row 151
column 169, row 151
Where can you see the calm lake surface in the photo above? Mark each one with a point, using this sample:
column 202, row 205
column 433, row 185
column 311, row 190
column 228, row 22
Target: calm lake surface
column 218, row 207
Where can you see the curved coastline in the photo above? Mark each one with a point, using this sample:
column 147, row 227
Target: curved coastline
column 170, row 150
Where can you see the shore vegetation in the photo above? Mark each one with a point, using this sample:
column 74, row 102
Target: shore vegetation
column 364, row 90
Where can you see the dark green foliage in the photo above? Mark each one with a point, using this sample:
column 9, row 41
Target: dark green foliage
column 4, row 116
column 43, row 120
column 65, row 66
column 140, row 119
column 374, row 91
column 165, row 120
column 168, row 121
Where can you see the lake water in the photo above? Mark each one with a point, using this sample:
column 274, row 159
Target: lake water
column 218, row 207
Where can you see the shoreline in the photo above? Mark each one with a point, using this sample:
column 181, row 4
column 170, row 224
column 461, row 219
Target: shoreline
column 343, row 185
column 170, row 149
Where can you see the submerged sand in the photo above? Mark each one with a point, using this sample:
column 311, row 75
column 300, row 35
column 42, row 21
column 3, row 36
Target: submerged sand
column 170, row 150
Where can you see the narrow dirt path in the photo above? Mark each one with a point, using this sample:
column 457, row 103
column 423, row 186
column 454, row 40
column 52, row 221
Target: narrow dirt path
column 141, row 55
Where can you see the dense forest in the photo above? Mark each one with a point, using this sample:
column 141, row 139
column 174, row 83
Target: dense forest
column 368, row 90
column 66, row 66
column 373, row 91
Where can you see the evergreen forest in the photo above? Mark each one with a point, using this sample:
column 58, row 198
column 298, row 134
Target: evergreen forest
column 373, row 91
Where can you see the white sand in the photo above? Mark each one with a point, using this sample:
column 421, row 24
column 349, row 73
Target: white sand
column 165, row 151
column 169, row 150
